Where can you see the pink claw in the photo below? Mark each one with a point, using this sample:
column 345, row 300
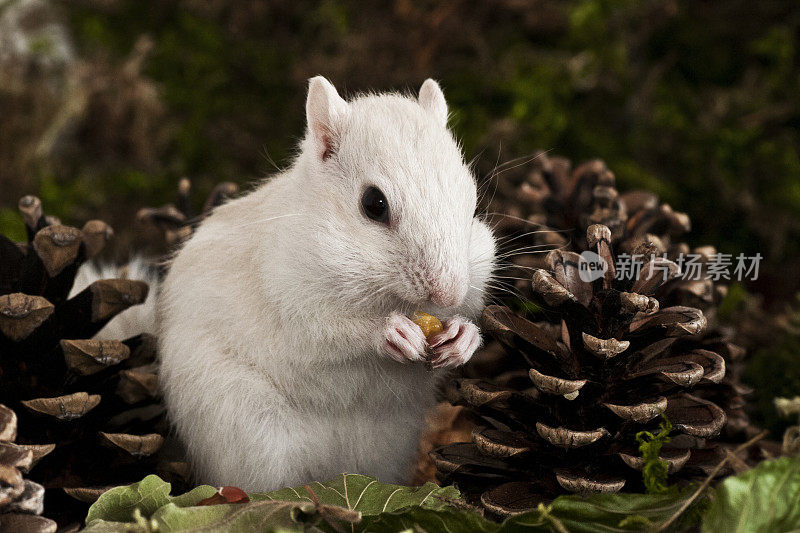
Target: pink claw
column 456, row 344
column 402, row 340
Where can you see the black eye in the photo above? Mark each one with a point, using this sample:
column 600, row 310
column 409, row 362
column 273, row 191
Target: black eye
column 374, row 205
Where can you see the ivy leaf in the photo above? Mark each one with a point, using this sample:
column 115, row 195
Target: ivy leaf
column 367, row 495
column 764, row 499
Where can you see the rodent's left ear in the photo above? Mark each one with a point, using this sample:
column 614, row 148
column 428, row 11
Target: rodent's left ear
column 431, row 98
column 325, row 110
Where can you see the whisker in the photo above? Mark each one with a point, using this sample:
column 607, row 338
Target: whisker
column 510, row 165
column 491, row 179
column 266, row 155
column 512, row 277
column 491, row 296
column 525, row 221
column 504, row 240
column 521, row 164
column 524, row 251
column 516, row 161
column 499, row 169
column 512, row 266
column 505, row 287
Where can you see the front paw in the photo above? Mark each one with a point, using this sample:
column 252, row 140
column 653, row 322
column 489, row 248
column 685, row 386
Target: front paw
column 456, row 344
column 402, row 340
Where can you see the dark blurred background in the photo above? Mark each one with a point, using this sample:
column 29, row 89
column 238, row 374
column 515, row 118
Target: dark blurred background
column 105, row 104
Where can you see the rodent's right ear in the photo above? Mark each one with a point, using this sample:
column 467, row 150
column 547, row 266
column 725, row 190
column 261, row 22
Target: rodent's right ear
column 325, row 110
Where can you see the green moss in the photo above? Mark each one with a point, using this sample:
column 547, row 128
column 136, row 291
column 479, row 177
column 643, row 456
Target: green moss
column 12, row 225
column 734, row 300
column 41, row 45
column 654, row 471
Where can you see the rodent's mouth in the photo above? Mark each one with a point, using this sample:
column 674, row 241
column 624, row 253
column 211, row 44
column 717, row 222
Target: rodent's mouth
column 408, row 305
column 405, row 303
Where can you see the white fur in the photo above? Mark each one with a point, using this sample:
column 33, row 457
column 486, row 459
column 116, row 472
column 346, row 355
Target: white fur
column 274, row 314
column 137, row 319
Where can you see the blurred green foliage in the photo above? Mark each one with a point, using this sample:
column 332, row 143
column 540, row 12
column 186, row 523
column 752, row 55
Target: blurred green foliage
column 696, row 101
column 774, row 371
column 11, row 224
column 209, row 82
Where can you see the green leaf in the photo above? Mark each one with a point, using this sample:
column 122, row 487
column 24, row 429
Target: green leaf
column 102, row 526
column 289, row 509
column 118, row 504
column 264, row 516
column 140, row 525
column 600, row 513
column 367, row 495
column 764, row 499
column 148, row 495
column 246, row 517
column 194, row 496
column 146, row 507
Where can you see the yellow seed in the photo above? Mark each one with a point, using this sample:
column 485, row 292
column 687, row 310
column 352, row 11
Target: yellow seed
column 429, row 324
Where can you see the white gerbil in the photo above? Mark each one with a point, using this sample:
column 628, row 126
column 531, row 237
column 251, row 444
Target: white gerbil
column 286, row 351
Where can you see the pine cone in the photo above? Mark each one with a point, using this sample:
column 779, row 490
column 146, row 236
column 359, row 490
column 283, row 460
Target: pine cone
column 21, row 500
column 88, row 407
column 566, row 420
column 552, row 205
column 177, row 223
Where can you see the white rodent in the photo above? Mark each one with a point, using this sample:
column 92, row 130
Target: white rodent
column 286, row 351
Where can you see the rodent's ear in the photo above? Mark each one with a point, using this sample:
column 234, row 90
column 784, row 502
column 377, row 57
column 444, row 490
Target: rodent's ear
column 325, row 110
column 431, row 98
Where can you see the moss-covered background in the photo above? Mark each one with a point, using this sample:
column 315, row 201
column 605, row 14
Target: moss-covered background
column 104, row 104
